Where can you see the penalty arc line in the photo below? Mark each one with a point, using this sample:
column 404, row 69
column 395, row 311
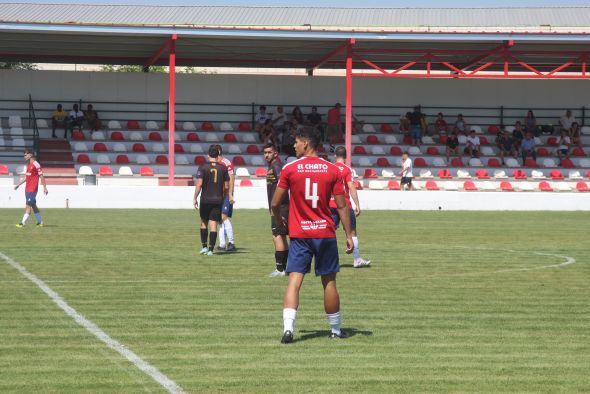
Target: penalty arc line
column 144, row 366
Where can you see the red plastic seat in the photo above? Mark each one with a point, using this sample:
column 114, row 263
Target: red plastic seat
column 445, row 174
column 372, row 139
column 588, row 174
column 483, row 140
column 393, row 185
column 83, row 159
column 100, row 147
column 530, row 163
column 386, row 128
column 261, row 172
column 407, row 139
column 230, row 137
column 545, row 187
column 193, row 137
column 155, row 136
column 146, row 171
column 482, row 174
column 117, row 136
column 207, row 126
column 431, row 185
column 582, row 187
column 133, row 125
column 122, row 159
column 370, row 173
column 358, row 185
column 506, row 186
column 519, row 174
column 105, row 171
column 78, row 136
column 543, row 152
column 494, row 163
column 567, row 163
column 456, row 162
column 420, row 162
column 245, row 126
column 395, row 151
column 556, row 174
column 200, row 160
column 359, row 150
column 178, row 148
column 3, row 169
column 578, row 152
column 162, row 159
column 252, row 149
column 469, row 186
column 139, row 147
column 493, row 129
column 432, row 150
column 383, row 162
column 552, row 141
column 443, row 139
column 238, row 161
column 246, row 183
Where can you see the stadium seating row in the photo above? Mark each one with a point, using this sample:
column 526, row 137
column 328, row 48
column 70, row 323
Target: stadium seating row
column 506, row 186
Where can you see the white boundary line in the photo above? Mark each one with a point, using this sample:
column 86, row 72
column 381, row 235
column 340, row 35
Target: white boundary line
column 145, row 367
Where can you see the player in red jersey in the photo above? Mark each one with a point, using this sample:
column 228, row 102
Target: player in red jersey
column 34, row 173
column 226, row 231
column 311, row 182
column 349, row 192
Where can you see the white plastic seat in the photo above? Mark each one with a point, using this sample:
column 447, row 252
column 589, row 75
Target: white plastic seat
column 189, row 126
column 98, row 136
column 103, row 159
column 158, row 147
column 119, row 147
column 427, row 140
column 586, row 130
column 425, row 174
column 125, row 171
column 524, row 186
column 488, row 186
column 414, row 150
column 438, row 162
column 356, row 139
column 511, row 162
column 85, row 170
column 18, row 142
column 390, row 139
column 42, row 124
column 378, row 150
column 500, row 174
column 196, row 148
column 450, row 185
column 368, row 128
column 574, row 174
column 14, row 121
column 177, row 137
column 142, row 159
column 563, row 186
column 509, row 129
column 80, row 147
column 377, row 185
column 538, row 141
column 463, row 174
column 151, row 125
column 226, row 126
column 136, row 136
column 476, row 128
column 584, row 163
column 16, row 131
column 181, row 160
column 386, row 173
column 257, row 161
column 462, row 139
column 365, row 162
column 242, row 171
column 249, row 137
column 211, row 137
column 475, row 162
column 536, row 174
column 487, row 151
column 234, row 149
column 549, row 163
column 114, row 125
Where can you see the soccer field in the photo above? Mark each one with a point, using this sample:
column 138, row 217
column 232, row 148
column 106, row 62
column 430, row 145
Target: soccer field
column 453, row 302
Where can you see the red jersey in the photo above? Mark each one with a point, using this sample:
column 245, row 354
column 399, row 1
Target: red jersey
column 334, row 116
column 32, row 176
column 228, row 165
column 311, row 182
column 347, row 176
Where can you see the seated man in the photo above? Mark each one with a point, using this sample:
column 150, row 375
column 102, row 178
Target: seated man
column 505, row 145
column 314, row 119
column 404, row 123
column 565, row 122
column 260, row 119
column 517, row 136
column 440, row 125
column 527, row 147
column 452, row 145
column 75, row 119
column 460, row 125
column 92, row 119
column 59, row 118
column 473, row 145
column 563, row 150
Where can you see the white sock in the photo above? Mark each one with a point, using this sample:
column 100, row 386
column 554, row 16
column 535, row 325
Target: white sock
column 38, row 217
column 25, row 218
column 289, row 315
column 229, row 231
column 355, row 248
column 334, row 322
column 221, row 235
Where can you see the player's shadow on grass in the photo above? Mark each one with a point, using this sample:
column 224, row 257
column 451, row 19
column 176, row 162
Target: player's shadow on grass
column 352, row 266
column 311, row 334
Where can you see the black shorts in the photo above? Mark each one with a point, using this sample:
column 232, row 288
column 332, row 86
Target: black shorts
column 406, row 180
column 273, row 222
column 209, row 211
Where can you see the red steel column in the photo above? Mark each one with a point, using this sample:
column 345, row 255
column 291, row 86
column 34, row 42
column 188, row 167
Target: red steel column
column 171, row 108
column 348, row 111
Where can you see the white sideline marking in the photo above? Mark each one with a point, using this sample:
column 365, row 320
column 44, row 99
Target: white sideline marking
column 147, row 368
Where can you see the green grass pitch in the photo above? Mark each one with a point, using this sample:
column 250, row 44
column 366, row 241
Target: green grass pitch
column 444, row 307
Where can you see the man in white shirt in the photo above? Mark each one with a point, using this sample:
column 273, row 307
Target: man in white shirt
column 565, row 122
column 473, row 144
column 75, row 119
column 261, row 118
column 406, row 172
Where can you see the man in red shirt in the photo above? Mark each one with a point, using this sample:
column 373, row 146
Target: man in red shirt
column 33, row 174
column 311, row 182
column 334, row 127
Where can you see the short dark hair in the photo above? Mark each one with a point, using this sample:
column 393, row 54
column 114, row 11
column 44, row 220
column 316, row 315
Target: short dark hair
column 406, row 153
column 213, row 151
column 263, row 107
column 29, row 151
column 219, row 149
column 340, row 152
column 310, row 134
column 270, row 145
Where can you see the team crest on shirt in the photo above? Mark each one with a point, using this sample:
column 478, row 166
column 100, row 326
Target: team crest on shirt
column 313, row 225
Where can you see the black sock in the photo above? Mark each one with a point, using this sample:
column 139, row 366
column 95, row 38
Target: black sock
column 204, row 237
column 212, row 239
column 281, row 259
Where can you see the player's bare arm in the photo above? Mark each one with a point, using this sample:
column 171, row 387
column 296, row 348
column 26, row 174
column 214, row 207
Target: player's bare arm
column 275, row 206
column 344, row 219
column 232, row 179
column 20, row 183
column 44, row 184
column 198, row 186
column 228, row 189
column 355, row 197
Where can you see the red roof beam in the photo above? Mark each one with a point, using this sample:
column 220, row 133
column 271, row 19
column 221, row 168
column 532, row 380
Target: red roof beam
column 157, row 54
column 336, row 51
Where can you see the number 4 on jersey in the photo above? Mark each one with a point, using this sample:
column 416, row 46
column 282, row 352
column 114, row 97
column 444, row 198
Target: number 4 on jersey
column 311, row 192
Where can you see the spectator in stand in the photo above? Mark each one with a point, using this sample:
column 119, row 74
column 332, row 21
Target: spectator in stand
column 505, row 145
column 288, row 141
column 527, row 147
column 334, row 128
column 59, row 118
column 440, row 125
column 473, row 145
column 404, row 123
column 530, row 123
column 279, row 119
column 517, row 136
column 260, row 120
column 75, row 119
column 460, row 125
column 576, row 135
column 315, row 120
column 267, row 134
column 297, row 116
column 565, row 122
column 563, row 150
column 92, row 119
column 357, row 125
column 452, row 146
column 416, row 123
column 406, row 172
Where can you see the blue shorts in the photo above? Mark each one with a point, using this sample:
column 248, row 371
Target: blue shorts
column 227, row 208
column 416, row 132
column 31, row 198
column 325, row 251
column 336, row 218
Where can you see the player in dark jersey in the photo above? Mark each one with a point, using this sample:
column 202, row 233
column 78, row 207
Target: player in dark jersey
column 311, row 182
column 32, row 177
column 279, row 234
column 212, row 183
